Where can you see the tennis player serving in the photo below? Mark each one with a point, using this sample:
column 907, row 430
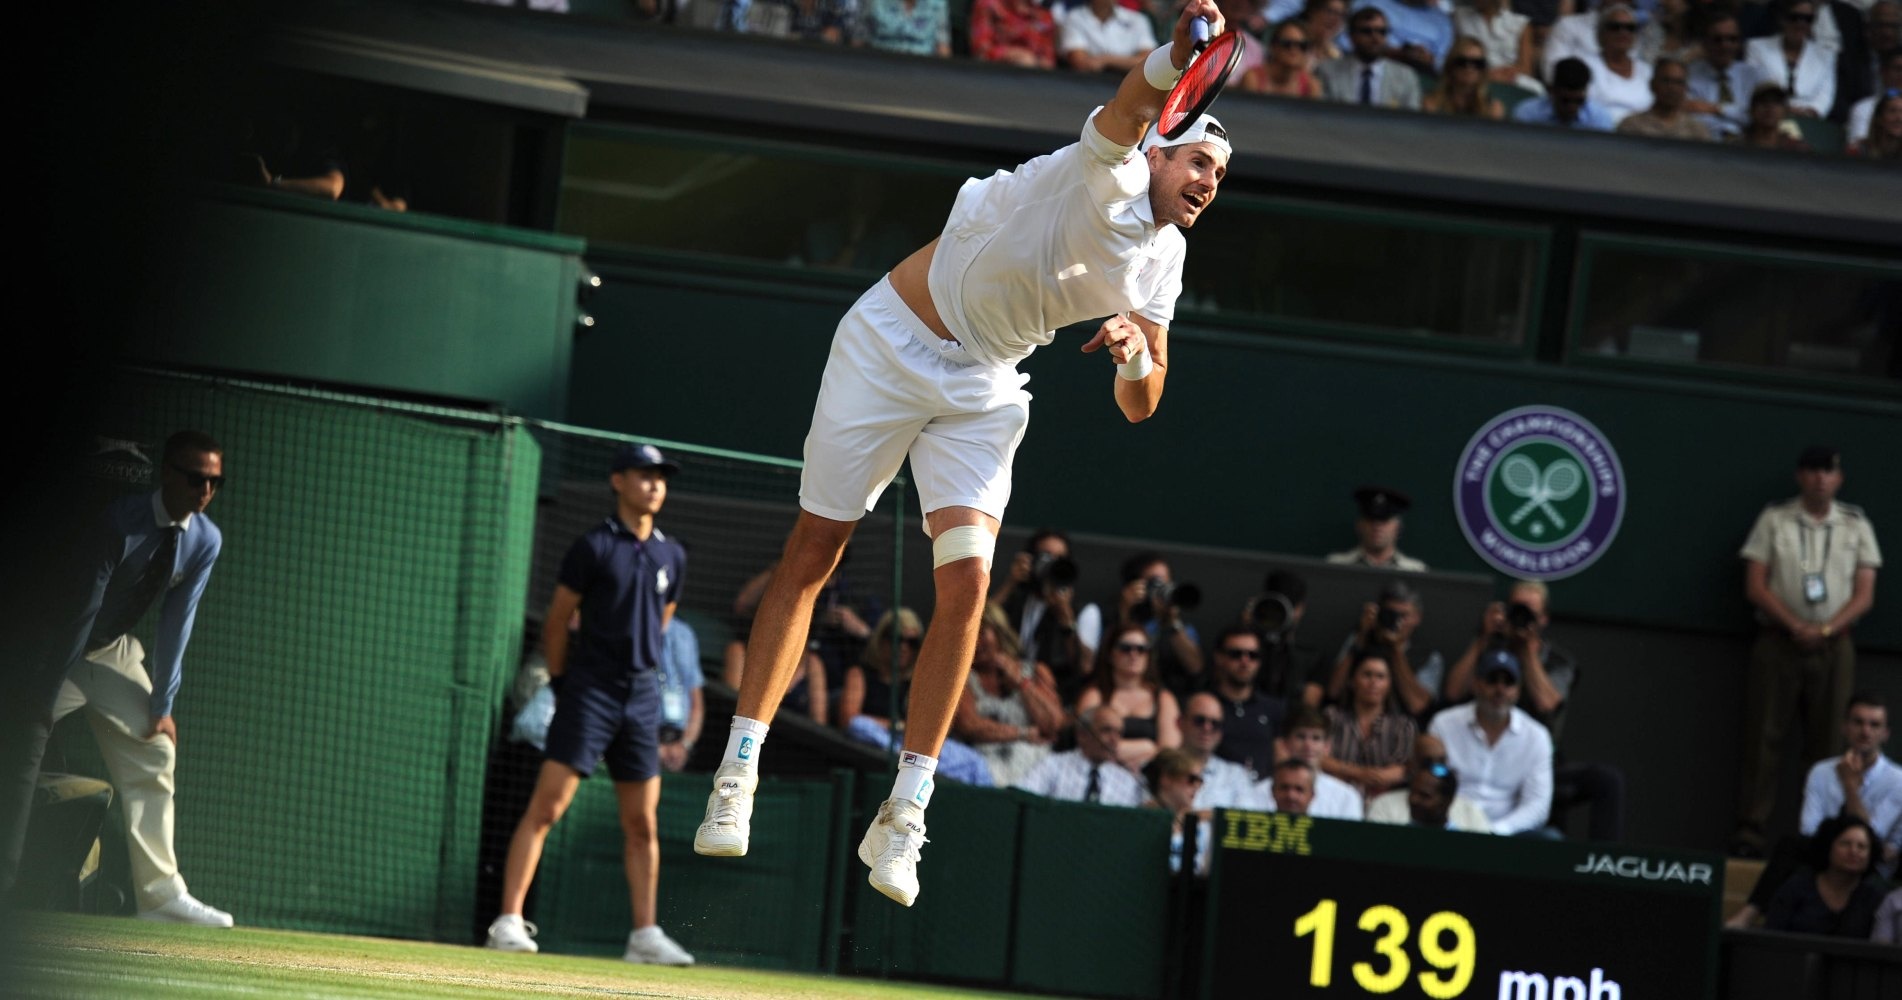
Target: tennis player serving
column 925, row 364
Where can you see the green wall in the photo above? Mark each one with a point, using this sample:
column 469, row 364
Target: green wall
column 279, row 285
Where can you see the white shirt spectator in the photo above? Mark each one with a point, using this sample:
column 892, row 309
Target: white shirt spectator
column 1228, row 785
column 1465, row 815
column 1706, row 83
column 1066, row 776
column 1126, row 33
column 1572, row 35
column 1333, row 798
column 1500, row 35
column 1814, row 85
column 1512, row 779
column 1881, row 794
column 1860, row 114
column 1618, row 95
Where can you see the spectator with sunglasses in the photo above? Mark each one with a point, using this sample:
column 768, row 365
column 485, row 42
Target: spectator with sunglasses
column 1502, row 755
column 1720, row 83
column 1174, row 779
column 1365, row 75
column 1462, row 88
column 867, row 697
column 1667, row 118
column 1429, row 758
column 1864, row 111
column 1284, row 72
column 1009, row 709
column 1506, row 36
column 1621, row 81
column 1421, row 33
column 1251, row 718
column 1126, row 677
column 1225, row 784
column 1793, row 60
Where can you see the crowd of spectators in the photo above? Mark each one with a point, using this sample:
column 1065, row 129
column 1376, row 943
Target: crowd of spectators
column 1786, row 74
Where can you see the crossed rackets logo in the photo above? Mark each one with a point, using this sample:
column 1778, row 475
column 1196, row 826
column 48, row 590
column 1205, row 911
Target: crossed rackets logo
column 1539, row 492
column 1522, row 477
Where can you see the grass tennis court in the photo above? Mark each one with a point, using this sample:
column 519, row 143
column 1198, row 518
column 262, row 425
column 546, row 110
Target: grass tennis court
column 83, row 957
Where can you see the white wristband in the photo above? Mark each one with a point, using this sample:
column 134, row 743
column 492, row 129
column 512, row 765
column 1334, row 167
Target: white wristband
column 1160, row 68
column 1137, row 368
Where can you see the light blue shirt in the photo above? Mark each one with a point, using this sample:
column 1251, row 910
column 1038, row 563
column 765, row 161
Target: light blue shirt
column 1881, row 794
column 1538, row 111
column 680, row 673
column 1428, row 27
column 133, row 529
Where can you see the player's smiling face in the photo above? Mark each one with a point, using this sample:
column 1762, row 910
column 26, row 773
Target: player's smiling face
column 1182, row 181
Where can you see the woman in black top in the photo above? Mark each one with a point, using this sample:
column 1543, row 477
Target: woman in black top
column 1836, row 895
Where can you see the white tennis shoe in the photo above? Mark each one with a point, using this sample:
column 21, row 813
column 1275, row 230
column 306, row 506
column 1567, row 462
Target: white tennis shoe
column 186, row 909
column 652, row 946
column 890, row 849
column 509, row 932
column 729, row 822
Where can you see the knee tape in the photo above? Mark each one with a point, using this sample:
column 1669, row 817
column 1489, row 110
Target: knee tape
column 966, row 541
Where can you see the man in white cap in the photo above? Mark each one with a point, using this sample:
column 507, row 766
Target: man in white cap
column 925, row 364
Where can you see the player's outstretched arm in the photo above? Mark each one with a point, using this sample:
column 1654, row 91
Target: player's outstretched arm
column 1131, row 339
column 1138, row 102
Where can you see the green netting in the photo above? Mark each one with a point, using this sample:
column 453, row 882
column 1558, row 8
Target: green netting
column 344, row 677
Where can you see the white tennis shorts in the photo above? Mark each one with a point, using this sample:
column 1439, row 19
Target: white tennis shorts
column 892, row 388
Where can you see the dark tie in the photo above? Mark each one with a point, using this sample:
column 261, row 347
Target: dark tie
column 1367, row 84
column 1792, row 87
column 151, row 583
column 1724, row 94
column 1093, row 793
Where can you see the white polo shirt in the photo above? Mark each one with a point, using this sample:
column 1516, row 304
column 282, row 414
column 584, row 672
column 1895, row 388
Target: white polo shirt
column 1228, row 785
column 1064, row 238
column 1333, row 798
column 1512, row 779
column 1126, row 33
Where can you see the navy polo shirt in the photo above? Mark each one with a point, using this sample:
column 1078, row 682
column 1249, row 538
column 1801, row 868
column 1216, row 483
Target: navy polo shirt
column 625, row 586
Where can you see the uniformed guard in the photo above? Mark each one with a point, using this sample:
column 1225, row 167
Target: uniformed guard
column 1379, row 529
column 1810, row 571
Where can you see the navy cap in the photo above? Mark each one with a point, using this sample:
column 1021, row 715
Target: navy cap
column 1819, row 456
column 641, row 456
column 1379, row 503
column 1493, row 661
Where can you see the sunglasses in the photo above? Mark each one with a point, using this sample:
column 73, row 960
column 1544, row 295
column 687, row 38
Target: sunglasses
column 1292, row 43
column 1619, row 26
column 911, row 642
column 1132, row 647
column 1800, row 18
column 1466, row 63
column 1193, row 779
column 1501, row 679
column 1235, row 653
column 195, row 480
column 1205, row 722
column 1725, row 39
column 1381, row 32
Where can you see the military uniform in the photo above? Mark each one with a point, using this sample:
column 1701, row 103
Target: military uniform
column 1358, row 557
column 1812, row 567
column 1379, row 503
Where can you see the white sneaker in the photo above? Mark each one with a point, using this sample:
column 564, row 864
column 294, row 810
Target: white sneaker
column 890, row 849
column 184, row 909
column 652, row 946
column 729, row 813
column 510, row 932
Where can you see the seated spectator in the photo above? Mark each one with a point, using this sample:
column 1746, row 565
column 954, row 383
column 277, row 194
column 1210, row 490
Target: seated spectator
column 1395, row 807
column 1573, row 35
column 1325, row 21
column 1245, row 16
column 1567, row 102
column 1420, row 32
column 1289, row 667
column 1369, row 738
column 1284, row 71
column 1018, row 32
column 1151, row 598
column 1837, row 895
column 1009, row 709
column 1251, row 717
column 1292, row 785
column 1519, row 625
column 1621, row 82
column 1430, row 795
column 1389, row 622
column 834, row 641
column 1670, row 32
column 1089, row 773
column 1770, row 126
column 1174, row 779
column 1888, row 919
column 1863, row 112
column 1720, row 83
column 1884, row 141
column 1378, row 527
column 865, row 704
column 1502, row 756
column 829, row 22
column 1462, row 88
column 1038, row 595
column 1861, row 782
column 1225, row 784
column 1806, row 70
column 1507, row 39
column 1102, row 37
column 917, row 27
column 1365, row 75
column 1126, row 677
column 1307, row 743
column 1667, row 117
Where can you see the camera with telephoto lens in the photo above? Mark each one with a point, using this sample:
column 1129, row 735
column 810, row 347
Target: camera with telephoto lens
column 1183, row 596
column 1387, row 619
column 1272, row 616
column 1521, row 616
column 1052, row 572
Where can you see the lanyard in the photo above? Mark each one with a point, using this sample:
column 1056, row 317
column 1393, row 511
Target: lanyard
column 1829, row 532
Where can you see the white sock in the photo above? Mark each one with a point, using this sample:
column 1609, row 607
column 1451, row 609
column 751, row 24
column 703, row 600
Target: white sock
column 915, row 781
column 743, row 741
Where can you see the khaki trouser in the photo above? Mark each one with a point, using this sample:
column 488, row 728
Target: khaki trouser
column 111, row 683
column 1787, row 680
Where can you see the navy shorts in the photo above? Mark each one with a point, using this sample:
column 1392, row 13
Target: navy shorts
column 616, row 719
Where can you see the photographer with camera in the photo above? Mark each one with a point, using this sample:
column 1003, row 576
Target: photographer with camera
column 1151, row 598
column 1288, row 669
column 1518, row 624
column 1389, row 621
column 1038, row 595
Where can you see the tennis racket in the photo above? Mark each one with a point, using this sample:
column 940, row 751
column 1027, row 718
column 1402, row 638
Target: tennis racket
column 1202, row 80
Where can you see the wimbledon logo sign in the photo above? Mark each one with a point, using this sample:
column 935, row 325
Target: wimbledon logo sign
column 1539, row 492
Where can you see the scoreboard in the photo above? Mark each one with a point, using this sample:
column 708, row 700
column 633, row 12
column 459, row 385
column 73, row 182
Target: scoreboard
column 1300, row 907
